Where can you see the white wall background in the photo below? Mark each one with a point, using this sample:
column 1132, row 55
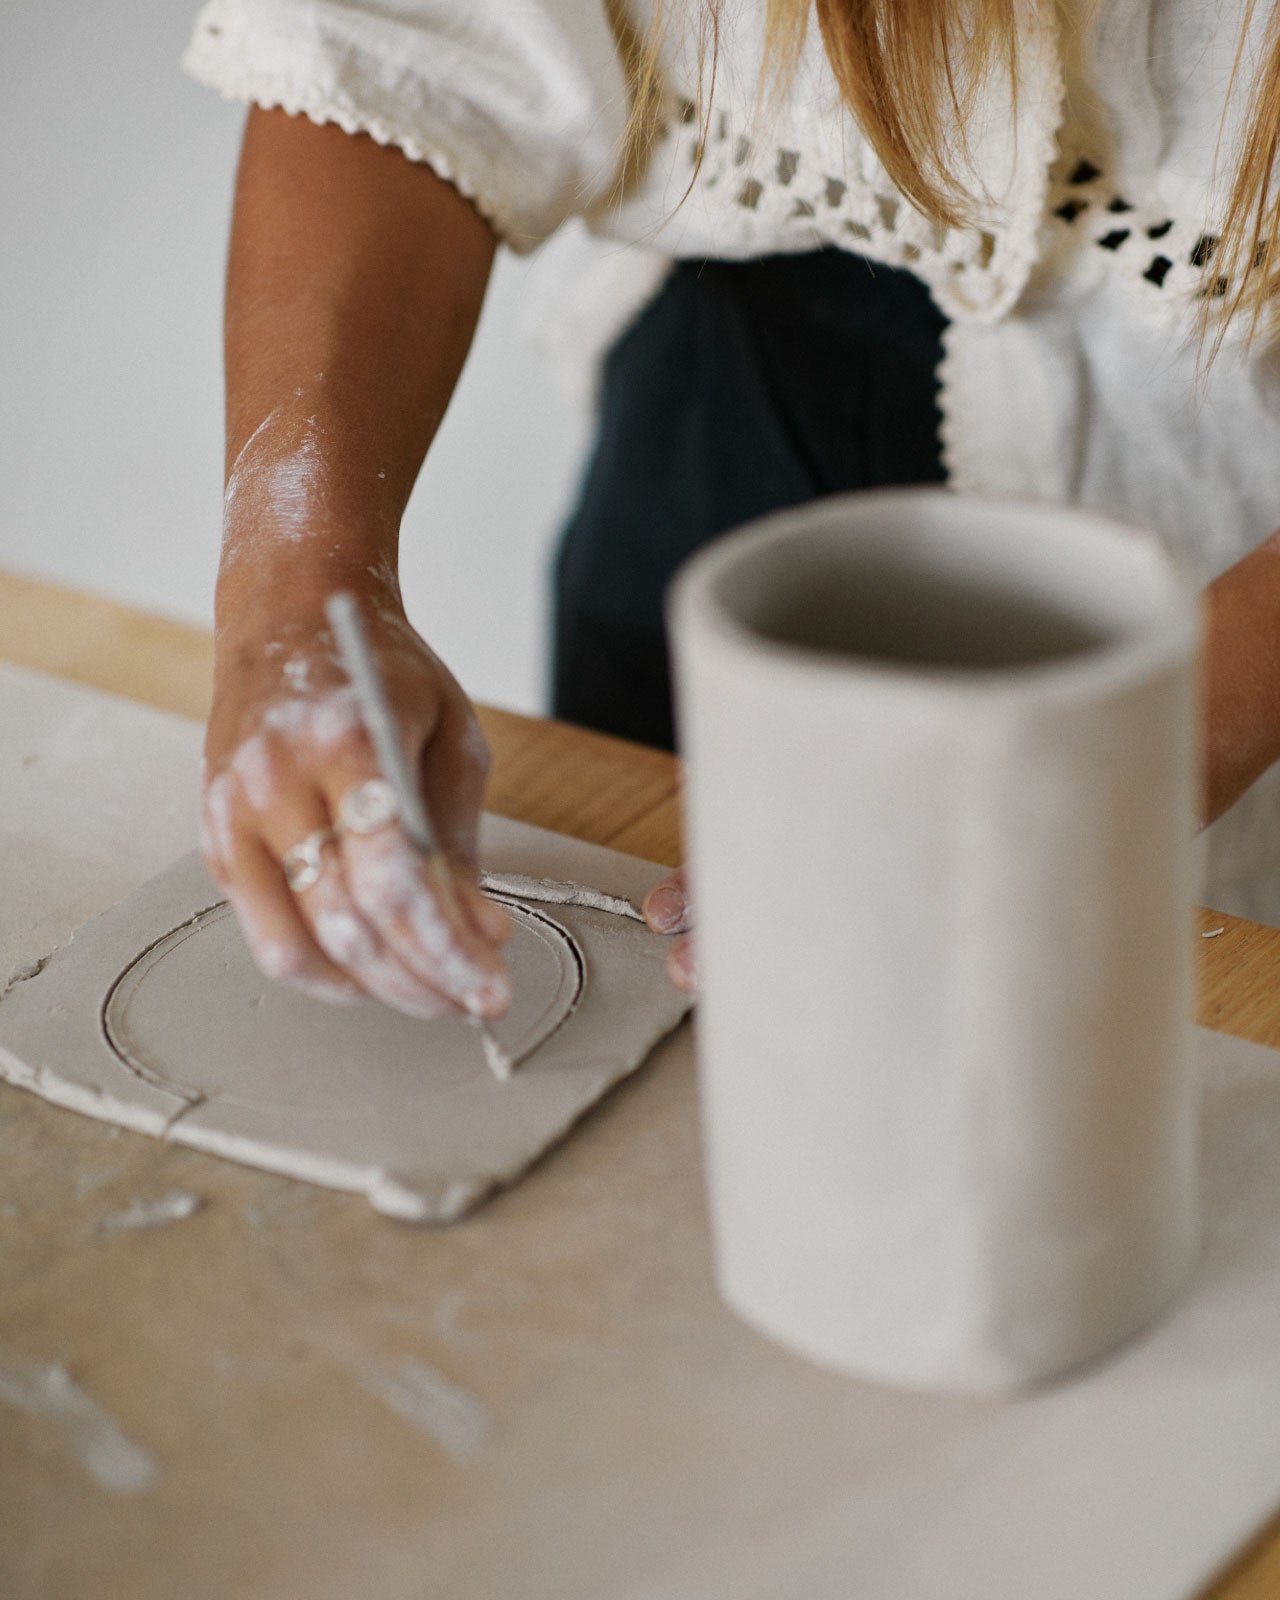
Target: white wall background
column 115, row 183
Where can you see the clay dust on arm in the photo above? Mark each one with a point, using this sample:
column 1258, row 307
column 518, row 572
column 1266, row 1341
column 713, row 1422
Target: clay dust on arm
column 341, row 356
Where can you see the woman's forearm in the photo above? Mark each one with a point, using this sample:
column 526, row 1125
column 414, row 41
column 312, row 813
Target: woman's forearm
column 1241, row 676
column 354, row 283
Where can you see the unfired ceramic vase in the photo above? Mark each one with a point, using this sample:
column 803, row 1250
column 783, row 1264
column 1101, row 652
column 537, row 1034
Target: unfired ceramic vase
column 941, row 805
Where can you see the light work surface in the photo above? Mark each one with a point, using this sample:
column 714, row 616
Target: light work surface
column 274, row 1392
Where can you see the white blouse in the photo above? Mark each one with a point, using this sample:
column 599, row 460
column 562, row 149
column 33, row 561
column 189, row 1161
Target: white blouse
column 1070, row 368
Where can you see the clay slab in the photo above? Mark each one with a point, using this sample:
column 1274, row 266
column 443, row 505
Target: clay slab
column 154, row 1017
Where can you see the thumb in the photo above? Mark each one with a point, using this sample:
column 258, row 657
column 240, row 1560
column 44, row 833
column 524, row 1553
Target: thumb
column 667, row 907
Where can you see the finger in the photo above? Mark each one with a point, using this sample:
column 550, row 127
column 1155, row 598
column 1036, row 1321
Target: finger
column 324, row 907
column 276, row 934
column 491, row 919
column 682, row 965
column 412, row 904
column 667, row 907
column 416, row 909
column 218, row 826
column 455, row 770
column 488, row 919
column 352, row 944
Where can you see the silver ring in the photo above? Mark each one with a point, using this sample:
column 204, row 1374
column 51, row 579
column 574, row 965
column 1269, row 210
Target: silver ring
column 368, row 807
column 304, row 863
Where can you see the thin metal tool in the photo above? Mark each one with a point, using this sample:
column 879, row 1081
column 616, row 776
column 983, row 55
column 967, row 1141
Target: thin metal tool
column 380, row 725
column 371, row 697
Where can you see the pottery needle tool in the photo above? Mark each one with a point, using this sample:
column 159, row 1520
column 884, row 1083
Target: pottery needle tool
column 371, row 698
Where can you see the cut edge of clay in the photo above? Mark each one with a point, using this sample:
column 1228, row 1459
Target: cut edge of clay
column 26, row 971
column 396, row 1195
column 406, row 1202
column 100, row 1104
column 558, row 892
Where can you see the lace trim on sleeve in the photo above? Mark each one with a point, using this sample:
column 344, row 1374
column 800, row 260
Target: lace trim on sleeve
column 1167, row 258
column 256, row 58
column 205, row 62
column 818, row 184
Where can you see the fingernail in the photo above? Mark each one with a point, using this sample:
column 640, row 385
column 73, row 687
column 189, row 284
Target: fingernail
column 667, row 909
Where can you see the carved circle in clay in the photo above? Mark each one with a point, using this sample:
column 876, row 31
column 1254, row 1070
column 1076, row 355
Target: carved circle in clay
column 193, row 1016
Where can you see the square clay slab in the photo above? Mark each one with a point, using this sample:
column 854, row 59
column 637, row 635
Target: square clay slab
column 155, row 1017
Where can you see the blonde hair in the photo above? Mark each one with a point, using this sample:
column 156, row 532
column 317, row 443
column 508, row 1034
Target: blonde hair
column 1243, row 277
column 911, row 72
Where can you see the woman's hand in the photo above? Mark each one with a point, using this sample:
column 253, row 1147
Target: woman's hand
column 1241, row 677
column 667, row 909
column 285, row 753
column 354, row 281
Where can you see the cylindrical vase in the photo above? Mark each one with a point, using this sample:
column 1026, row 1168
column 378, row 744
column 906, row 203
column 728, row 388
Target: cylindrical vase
column 941, row 803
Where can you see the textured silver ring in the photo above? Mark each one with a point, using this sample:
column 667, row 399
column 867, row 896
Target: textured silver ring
column 367, row 808
column 304, row 862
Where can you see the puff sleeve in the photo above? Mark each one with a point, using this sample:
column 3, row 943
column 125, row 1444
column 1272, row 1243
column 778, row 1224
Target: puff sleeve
column 521, row 104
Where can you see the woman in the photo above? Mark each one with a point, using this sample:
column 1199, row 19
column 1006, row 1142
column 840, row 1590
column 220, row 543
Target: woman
column 921, row 241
